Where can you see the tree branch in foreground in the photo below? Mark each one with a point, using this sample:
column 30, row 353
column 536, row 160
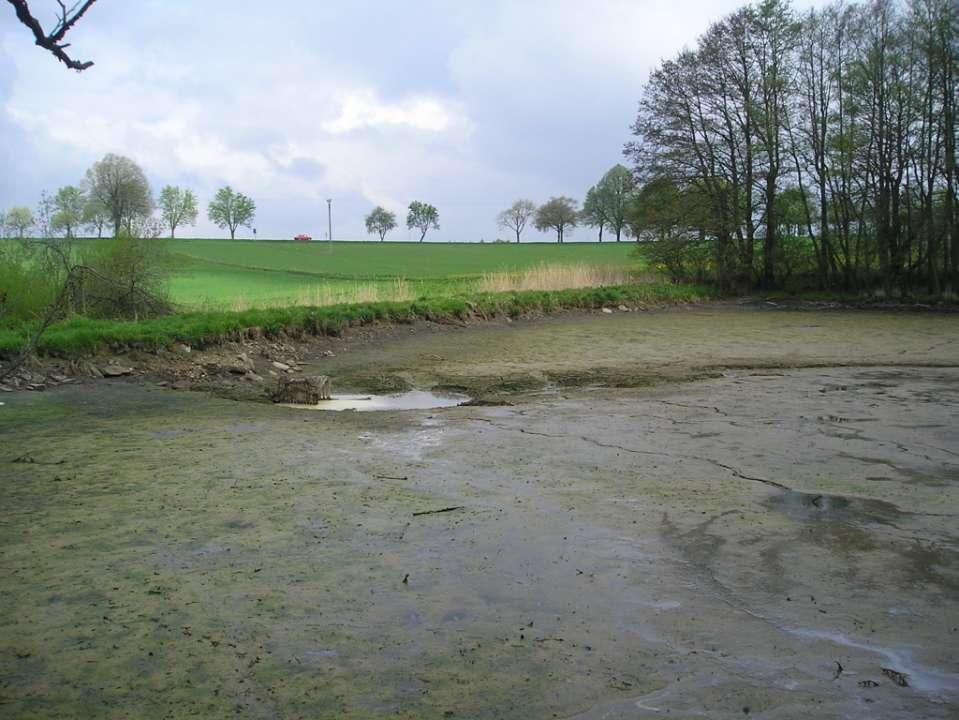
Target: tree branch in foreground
column 52, row 42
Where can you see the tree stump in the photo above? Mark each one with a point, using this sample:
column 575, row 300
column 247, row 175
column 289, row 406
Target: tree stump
column 303, row 391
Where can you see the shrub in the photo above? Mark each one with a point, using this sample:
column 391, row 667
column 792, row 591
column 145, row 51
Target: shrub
column 123, row 277
column 27, row 284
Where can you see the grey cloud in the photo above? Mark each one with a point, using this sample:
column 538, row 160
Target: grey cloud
column 535, row 99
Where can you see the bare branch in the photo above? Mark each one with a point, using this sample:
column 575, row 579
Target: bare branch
column 52, row 42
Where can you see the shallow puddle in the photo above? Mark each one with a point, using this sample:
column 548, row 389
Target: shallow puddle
column 820, row 506
column 413, row 400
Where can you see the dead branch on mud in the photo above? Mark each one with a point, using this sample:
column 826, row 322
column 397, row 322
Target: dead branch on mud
column 441, row 510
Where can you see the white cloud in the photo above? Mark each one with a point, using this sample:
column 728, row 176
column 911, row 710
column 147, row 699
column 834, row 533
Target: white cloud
column 363, row 109
column 493, row 100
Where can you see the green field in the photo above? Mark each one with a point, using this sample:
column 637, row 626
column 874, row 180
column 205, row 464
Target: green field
column 222, row 288
column 218, row 273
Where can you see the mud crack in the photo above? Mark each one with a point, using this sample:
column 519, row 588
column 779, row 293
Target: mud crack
column 612, row 446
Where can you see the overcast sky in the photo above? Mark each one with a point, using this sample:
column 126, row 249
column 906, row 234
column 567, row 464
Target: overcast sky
column 466, row 105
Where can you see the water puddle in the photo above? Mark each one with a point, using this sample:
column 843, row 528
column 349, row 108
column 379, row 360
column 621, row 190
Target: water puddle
column 413, row 400
column 820, row 506
column 922, row 678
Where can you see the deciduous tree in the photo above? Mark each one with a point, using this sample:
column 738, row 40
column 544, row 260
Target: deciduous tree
column 20, row 220
column 607, row 202
column 68, row 206
column 423, row 217
column 845, row 118
column 594, row 212
column 230, row 210
column 380, row 221
column 516, row 217
column 558, row 213
column 118, row 185
column 95, row 216
column 177, row 207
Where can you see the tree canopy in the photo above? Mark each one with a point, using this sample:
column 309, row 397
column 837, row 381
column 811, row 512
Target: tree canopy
column 177, row 207
column 380, row 221
column 821, row 147
column 614, row 192
column 423, row 217
column 229, row 209
column 120, row 187
column 559, row 214
column 68, row 206
column 19, row 219
column 95, row 216
column 516, row 217
column 594, row 213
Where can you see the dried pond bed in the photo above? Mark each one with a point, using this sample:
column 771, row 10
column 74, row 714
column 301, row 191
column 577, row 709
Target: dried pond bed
column 613, row 553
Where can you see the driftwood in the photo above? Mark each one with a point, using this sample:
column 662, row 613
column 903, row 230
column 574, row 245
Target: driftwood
column 303, row 391
column 437, row 512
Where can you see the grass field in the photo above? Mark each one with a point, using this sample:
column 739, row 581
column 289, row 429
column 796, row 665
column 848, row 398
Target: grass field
column 223, row 273
column 222, row 288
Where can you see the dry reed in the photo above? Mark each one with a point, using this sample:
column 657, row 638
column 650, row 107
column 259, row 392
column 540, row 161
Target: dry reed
column 396, row 290
column 555, row 276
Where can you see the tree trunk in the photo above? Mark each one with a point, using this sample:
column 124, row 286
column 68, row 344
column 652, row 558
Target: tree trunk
column 949, row 134
column 769, row 240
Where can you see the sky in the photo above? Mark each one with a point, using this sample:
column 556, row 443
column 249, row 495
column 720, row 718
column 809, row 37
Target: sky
column 465, row 104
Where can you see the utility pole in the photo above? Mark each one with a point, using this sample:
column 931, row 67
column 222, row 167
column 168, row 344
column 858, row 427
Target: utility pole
column 329, row 219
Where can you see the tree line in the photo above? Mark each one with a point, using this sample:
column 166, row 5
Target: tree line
column 115, row 193
column 606, row 207
column 420, row 216
column 817, row 149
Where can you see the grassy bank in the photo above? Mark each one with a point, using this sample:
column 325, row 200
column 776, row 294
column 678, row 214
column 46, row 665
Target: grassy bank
column 230, row 275
column 78, row 336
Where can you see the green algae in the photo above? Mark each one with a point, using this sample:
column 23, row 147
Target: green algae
column 173, row 554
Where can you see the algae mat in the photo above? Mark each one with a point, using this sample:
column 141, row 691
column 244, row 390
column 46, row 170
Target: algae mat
column 780, row 544
column 638, row 348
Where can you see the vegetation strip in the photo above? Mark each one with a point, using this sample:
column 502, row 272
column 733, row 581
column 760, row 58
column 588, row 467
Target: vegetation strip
column 81, row 335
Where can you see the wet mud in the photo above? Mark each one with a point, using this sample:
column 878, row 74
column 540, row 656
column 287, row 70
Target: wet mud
column 774, row 542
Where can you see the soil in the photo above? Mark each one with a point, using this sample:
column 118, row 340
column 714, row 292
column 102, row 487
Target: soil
column 707, row 512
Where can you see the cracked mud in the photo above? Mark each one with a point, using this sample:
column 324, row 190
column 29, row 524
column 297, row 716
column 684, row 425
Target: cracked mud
column 782, row 543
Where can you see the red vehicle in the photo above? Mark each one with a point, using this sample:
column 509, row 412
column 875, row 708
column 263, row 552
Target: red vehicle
column 303, row 236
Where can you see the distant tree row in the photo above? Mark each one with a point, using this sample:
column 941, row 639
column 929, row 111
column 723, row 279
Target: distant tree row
column 421, row 216
column 115, row 192
column 818, row 149
column 606, row 207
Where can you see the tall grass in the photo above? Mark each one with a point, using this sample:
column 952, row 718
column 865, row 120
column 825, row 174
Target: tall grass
column 396, row 290
column 555, row 276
